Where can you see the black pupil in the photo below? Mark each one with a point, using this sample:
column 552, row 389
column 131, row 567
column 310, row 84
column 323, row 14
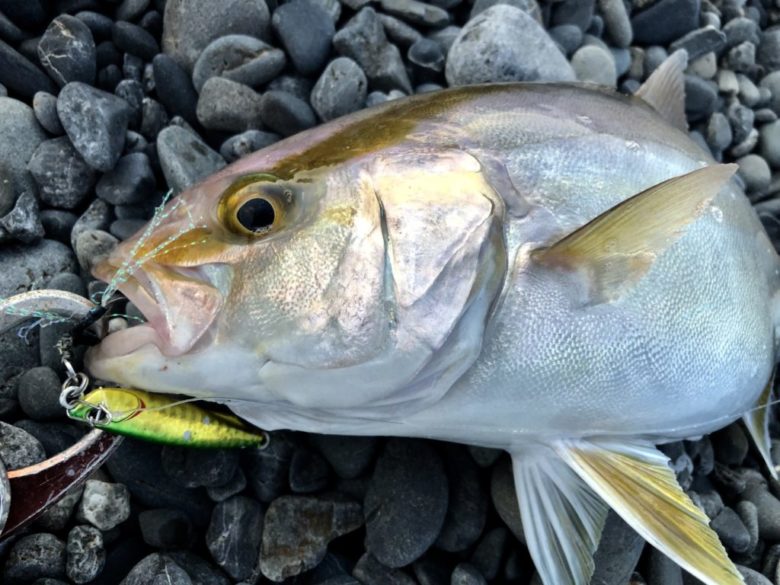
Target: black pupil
column 256, row 215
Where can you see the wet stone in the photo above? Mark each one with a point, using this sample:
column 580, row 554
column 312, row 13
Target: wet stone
column 19, row 448
column 298, row 529
column 286, row 114
column 185, row 159
column 67, row 51
column 104, row 505
column 406, row 502
column 309, row 472
column 64, row 179
column 95, row 122
column 32, row 265
column 305, row 30
column 39, row 391
column 246, row 143
column 132, row 39
column 45, row 108
column 85, row 554
column 157, row 569
column 467, row 574
column 234, row 534
column 240, row 58
column 229, row 106
column 369, row 571
column 35, row 556
column 165, row 528
column 467, row 510
column 199, row 467
column 340, row 90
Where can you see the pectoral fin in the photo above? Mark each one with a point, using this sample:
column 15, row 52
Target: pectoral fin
column 665, row 89
column 637, row 482
column 619, row 246
column 562, row 518
column 757, row 422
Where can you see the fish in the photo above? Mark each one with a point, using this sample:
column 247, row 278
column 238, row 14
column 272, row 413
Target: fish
column 556, row 270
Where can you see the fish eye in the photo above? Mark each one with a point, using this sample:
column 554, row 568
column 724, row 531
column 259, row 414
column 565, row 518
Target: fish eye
column 256, row 215
column 253, row 206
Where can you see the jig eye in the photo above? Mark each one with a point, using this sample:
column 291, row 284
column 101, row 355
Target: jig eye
column 256, row 215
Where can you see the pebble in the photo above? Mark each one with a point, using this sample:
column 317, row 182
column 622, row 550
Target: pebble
column 772, row 83
column 665, row 21
column 199, row 570
column 63, row 177
column 755, row 171
column 748, row 513
column 19, row 127
column 340, row 90
column 305, row 30
column 363, row 40
column 132, row 92
column 131, row 38
column 93, row 246
column 190, row 25
column 165, row 528
column 235, row 485
column 296, row 85
column 568, row 37
column 153, row 118
column 768, row 53
column 700, row 42
column 19, row 75
column 370, row 571
column 309, row 472
column 297, row 531
column 32, row 265
column 130, row 182
column 286, row 114
column 742, row 58
column 468, row 503
column 96, row 216
column 445, row 36
column 768, row 511
column 104, row 505
column 199, row 467
column 406, row 502
column 239, row 58
column 504, row 497
column 428, row 57
column 350, row 457
column 753, row 577
column 228, row 106
column 35, row 556
column 157, row 569
column 661, row 570
column 398, row 31
column 616, row 22
column 719, row 135
column 234, row 534
column 489, row 552
column 247, row 142
column 45, row 109
column 593, row 64
column 184, row 158
column 505, row 44
column 95, row 121
column 86, row 554
column 67, row 51
column 23, row 222
column 39, row 392
column 731, row 531
column 57, row 516
column 731, row 445
column 740, row 30
column 701, row 98
column 268, row 469
column 122, row 229
column 770, row 143
column 705, row 66
column 18, row 448
column 417, row 13
column 466, row 574
column 174, row 88
column 618, row 551
column 749, row 94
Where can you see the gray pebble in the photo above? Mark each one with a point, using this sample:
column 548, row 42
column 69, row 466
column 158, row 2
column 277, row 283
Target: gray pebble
column 731, row 445
column 406, row 502
column 664, row 21
column 741, row 120
column 296, row 85
column 85, row 554
column 742, row 58
column 755, row 171
column 749, row 94
column 770, row 82
column 484, row 456
column 428, row 57
column 709, row 501
column 286, row 114
column 661, row 570
column 769, row 49
column 719, row 134
column 417, row 13
column 363, row 40
column 445, row 37
column 190, row 25
column 19, row 127
column 239, row 58
column 184, row 158
column 530, row 7
column 568, row 37
column 130, row 182
column 467, row 510
column 157, row 569
column 199, row 570
column 489, row 553
column 233, row 486
column 228, row 106
column 134, row 40
column 268, row 469
column 153, row 118
column 104, row 505
column 246, row 143
column 350, row 457
column 595, row 65
column 165, row 528
column 67, row 51
column 731, row 531
column 95, row 122
column 654, row 56
column 748, row 513
column 770, row 143
column 93, row 246
column 309, row 472
column 297, row 531
column 765, row 115
column 768, row 511
column 504, row 497
column 618, row 552
column 701, row 97
column 17, row 72
column 122, row 229
column 739, row 30
column 370, row 571
column 18, row 448
column 96, row 217
column 54, row 436
column 45, row 108
column 753, row 577
column 132, row 92
column 466, row 574
column 39, row 391
column 64, row 179
column 305, row 30
column 199, row 467
column 705, row 66
column 699, row 42
column 23, row 222
column 57, row 516
column 340, row 90
column 505, row 44
column 616, row 22
column 31, row 266
column 174, row 88
column 746, row 146
column 234, row 534
column 35, row 556
column 398, row 31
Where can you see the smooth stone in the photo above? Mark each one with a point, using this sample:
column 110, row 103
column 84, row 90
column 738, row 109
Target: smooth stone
column 406, row 502
column 772, row 83
column 445, row 36
column 575, row 12
column 18, row 448
column 104, row 505
column 240, row 58
column 466, row 574
column 699, row 42
column 484, row 456
column 770, row 143
column 488, row 554
column 39, row 392
column 468, row 503
column 661, row 570
column 268, row 470
column 131, row 9
column 245, row 143
column 749, row 94
column 20, row 75
column 55, row 437
column 133, row 39
column 369, row 571
column 398, row 31
column 35, row 556
column 768, row 54
column 741, row 119
column 86, row 554
column 157, row 569
column 99, row 24
column 756, row 173
column 286, row 114
column 595, row 65
column 719, row 134
column 742, row 58
column 568, row 37
column 741, row 29
column 190, row 25
column 748, row 513
column 95, row 121
column 45, row 109
column 234, row 535
column 184, row 158
column 350, row 457
column 305, row 30
column 363, row 40
column 753, row 577
column 165, row 528
column 505, row 44
column 297, row 531
column 309, row 472
column 97, row 216
column 199, row 467
column 731, row 531
column 64, row 179
column 428, row 56
column 417, row 13
column 67, row 51
column 130, row 182
column 705, row 66
column 153, row 119
column 617, row 22
column 174, row 88
column 731, row 445
column 228, row 106
column 296, row 85
column 199, row 570
column 665, row 21
column 56, row 517
column 765, row 115
column 618, row 552
column 31, row 266
column 23, row 222
column 122, row 229
column 93, row 246
column 132, row 92
column 768, row 511
column 235, row 485
column 19, row 127
column 701, row 98
column 340, row 90
column 504, row 497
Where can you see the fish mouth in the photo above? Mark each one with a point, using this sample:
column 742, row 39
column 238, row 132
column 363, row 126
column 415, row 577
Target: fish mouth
column 180, row 305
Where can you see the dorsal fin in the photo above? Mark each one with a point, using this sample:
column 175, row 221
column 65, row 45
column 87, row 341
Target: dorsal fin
column 618, row 247
column 665, row 89
column 757, row 423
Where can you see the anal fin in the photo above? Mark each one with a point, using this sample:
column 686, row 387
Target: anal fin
column 757, row 423
column 562, row 517
column 637, row 482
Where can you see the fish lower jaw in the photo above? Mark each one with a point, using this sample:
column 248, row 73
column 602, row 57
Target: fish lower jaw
column 126, row 341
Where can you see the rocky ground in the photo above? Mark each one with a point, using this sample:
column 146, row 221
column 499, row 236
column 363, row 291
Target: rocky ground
column 109, row 104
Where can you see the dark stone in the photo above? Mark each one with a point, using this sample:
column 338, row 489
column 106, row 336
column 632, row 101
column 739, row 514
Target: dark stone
column 229, row 106
column 130, row 182
column 267, row 470
column 370, row 571
column 504, row 497
column 39, row 392
column 700, row 42
column 234, row 534
column 662, row 570
column 157, row 569
column 731, row 445
column 99, row 24
column 468, row 503
column 104, row 504
column 122, row 229
column 701, row 98
column 768, row 53
column 427, row 55
column 108, row 54
column 731, row 531
column 488, row 554
column 23, row 222
column 31, row 266
column 296, row 85
column 64, row 180
column 664, row 21
column 174, row 88
column 96, row 217
column 19, row 75
column 45, row 108
column 578, row 13
column 199, row 467
column 131, row 9
column 246, row 143
column 239, row 58
column 132, row 39
column 618, row 552
column 398, row 31
column 109, row 77
column 55, row 437
column 35, row 556
column 132, row 92
column 154, row 119
column 67, row 51
column 57, row 224
column 86, row 554
column 164, row 528
column 309, row 472
column 18, row 448
column 305, row 30
column 350, row 457
column 200, row 571
column 286, row 114
column 466, row 574
column 235, row 485
column 185, row 159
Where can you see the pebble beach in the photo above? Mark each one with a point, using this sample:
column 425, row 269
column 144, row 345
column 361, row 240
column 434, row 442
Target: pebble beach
column 109, row 106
